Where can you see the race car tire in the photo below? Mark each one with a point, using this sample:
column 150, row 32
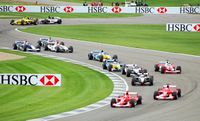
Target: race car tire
column 179, row 92
column 22, row 22
column 39, row 43
column 14, row 46
column 123, row 69
column 101, row 58
column 151, row 81
column 145, row 70
column 162, row 70
column 12, row 22
column 133, row 81
column 132, row 102
column 38, row 47
column 110, row 68
column 179, row 69
column 115, row 57
column 35, row 22
column 156, row 68
column 154, row 95
column 174, row 94
column 139, row 100
column 25, row 48
column 46, row 47
column 57, row 49
column 128, row 73
column 113, row 101
column 71, row 49
column 62, row 43
column 90, row 57
column 59, row 21
column 104, row 65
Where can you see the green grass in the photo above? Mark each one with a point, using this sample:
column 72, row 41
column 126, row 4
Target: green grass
column 16, row 2
column 140, row 36
column 149, row 2
column 63, row 15
column 80, row 86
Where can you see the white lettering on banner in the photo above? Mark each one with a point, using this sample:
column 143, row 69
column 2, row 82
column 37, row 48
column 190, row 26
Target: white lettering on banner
column 101, row 9
column 183, row 27
column 31, row 79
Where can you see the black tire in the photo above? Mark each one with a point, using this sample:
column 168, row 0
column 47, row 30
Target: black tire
column 128, row 73
column 179, row 69
column 12, row 22
column 39, row 43
column 35, row 22
column 25, row 48
column 113, row 101
column 139, row 100
column 101, row 58
column 46, row 47
column 179, row 92
column 156, row 68
column 71, row 49
column 14, row 46
column 132, row 102
column 154, row 95
column 145, row 70
column 115, row 57
column 104, row 65
column 22, row 22
column 133, row 81
column 174, row 94
column 62, row 43
column 59, row 21
column 110, row 67
column 38, row 47
column 57, row 49
column 162, row 70
column 150, row 80
column 123, row 70
column 90, row 57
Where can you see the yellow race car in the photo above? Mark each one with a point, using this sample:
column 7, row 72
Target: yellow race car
column 24, row 21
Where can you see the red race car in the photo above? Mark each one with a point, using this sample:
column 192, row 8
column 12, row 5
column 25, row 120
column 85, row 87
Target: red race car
column 167, row 67
column 129, row 99
column 168, row 92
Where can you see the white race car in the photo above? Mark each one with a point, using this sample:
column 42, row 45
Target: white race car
column 129, row 69
column 58, row 47
column 51, row 20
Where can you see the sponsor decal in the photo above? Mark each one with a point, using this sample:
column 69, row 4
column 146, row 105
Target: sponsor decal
column 50, row 9
column 183, row 27
column 116, row 9
column 31, row 79
column 20, row 8
column 68, row 9
column 144, row 10
column 97, row 9
column 190, row 10
column 6, row 8
column 162, row 10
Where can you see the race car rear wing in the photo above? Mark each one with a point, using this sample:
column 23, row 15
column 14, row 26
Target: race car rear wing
column 171, row 86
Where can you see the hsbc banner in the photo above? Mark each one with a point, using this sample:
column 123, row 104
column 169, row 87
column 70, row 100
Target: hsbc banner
column 31, row 79
column 101, row 9
column 183, row 27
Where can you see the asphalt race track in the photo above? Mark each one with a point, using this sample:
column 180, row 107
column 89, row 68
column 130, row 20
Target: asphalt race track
column 186, row 108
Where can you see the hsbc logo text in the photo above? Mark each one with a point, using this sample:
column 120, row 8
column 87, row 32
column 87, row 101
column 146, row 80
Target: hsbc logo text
column 116, row 9
column 162, row 10
column 183, row 27
column 20, row 8
column 31, row 79
column 68, row 9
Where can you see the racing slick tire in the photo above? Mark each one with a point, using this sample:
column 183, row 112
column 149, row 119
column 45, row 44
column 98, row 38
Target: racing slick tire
column 35, row 22
column 156, row 68
column 174, row 94
column 151, row 81
column 57, row 49
column 139, row 100
column 154, row 95
column 132, row 102
column 25, row 48
column 113, row 101
column 71, row 49
column 14, row 46
column 133, row 81
column 59, row 21
column 12, row 22
column 38, row 47
column 104, row 65
column 128, row 73
column 162, row 70
column 179, row 92
column 39, row 43
column 22, row 22
column 115, row 57
column 46, row 47
column 62, row 43
column 110, row 68
column 123, row 70
column 101, row 58
column 90, row 57
column 179, row 69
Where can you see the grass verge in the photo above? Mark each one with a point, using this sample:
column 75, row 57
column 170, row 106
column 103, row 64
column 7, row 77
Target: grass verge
column 140, row 36
column 80, row 86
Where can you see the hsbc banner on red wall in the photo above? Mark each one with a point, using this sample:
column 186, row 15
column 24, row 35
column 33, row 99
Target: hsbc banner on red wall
column 101, row 9
column 183, row 27
column 31, row 79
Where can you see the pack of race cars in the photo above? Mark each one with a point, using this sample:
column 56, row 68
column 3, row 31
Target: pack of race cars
column 139, row 76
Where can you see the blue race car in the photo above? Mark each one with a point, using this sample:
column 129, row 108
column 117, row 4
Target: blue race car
column 100, row 55
column 25, row 46
column 112, row 65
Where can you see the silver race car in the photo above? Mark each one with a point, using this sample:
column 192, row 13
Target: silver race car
column 25, row 46
column 130, row 69
column 58, row 47
column 51, row 20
